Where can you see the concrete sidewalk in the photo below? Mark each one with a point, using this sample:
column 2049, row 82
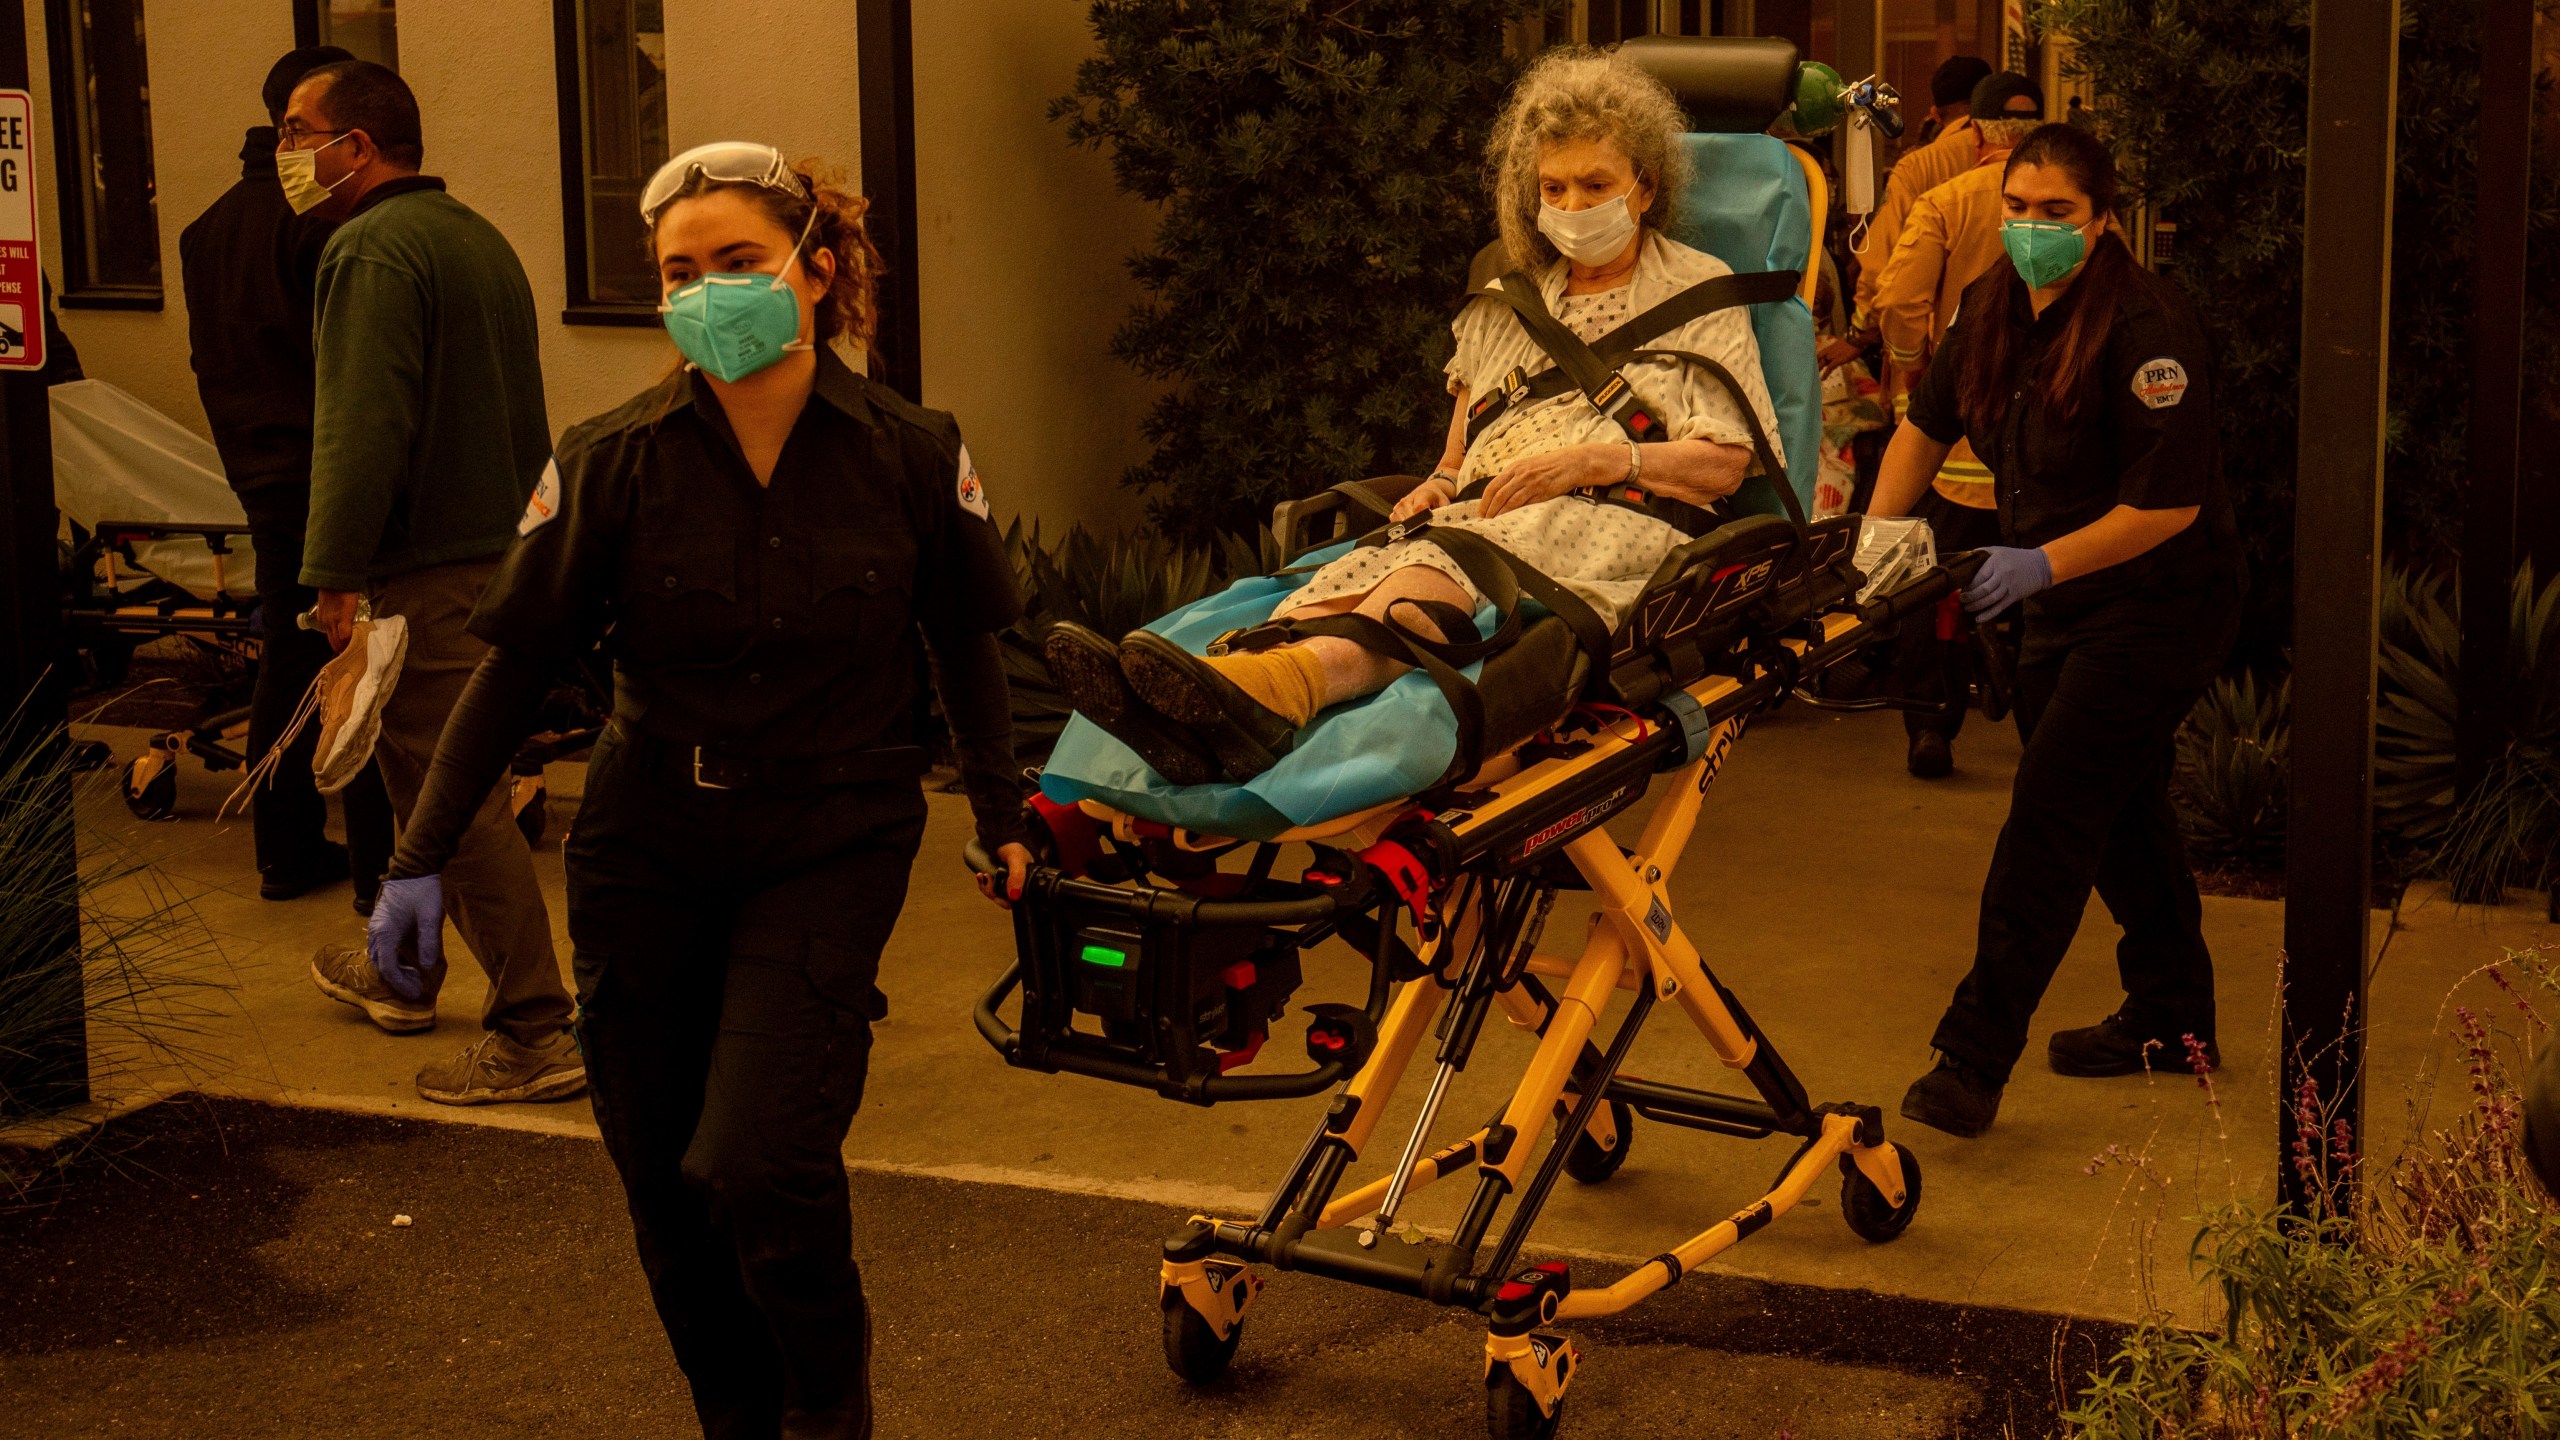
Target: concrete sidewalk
column 1832, row 893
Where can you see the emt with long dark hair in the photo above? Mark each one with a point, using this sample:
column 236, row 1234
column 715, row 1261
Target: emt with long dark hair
column 763, row 539
column 2085, row 384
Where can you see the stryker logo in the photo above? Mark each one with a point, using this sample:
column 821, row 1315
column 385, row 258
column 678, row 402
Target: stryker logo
column 1575, row 821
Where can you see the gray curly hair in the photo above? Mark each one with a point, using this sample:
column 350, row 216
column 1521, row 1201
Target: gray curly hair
column 1577, row 93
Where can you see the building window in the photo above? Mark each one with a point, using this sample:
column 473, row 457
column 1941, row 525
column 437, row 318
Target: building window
column 613, row 137
column 1606, row 22
column 366, row 29
column 110, row 211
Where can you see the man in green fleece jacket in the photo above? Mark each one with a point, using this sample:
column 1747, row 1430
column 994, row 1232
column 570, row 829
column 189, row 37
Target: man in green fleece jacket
column 428, row 438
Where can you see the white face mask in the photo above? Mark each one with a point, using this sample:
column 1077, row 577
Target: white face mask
column 299, row 172
column 1594, row 235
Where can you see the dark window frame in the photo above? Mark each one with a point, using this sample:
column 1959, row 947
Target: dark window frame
column 306, row 27
column 568, row 42
column 71, row 165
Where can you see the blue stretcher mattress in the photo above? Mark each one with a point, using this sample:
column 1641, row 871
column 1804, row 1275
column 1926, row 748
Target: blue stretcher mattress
column 1748, row 208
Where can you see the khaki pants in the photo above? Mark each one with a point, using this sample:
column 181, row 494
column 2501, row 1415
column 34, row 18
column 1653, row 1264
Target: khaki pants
column 489, row 886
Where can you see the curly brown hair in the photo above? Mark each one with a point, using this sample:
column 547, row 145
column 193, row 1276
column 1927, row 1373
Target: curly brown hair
column 850, row 309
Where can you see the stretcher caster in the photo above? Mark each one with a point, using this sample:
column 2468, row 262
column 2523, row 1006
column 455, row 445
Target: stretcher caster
column 1873, row 1217
column 1588, row 1161
column 1204, row 1303
column 1512, row 1413
column 151, row 786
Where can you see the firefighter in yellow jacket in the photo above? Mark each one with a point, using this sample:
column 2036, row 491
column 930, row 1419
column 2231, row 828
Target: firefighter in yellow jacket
column 1951, row 237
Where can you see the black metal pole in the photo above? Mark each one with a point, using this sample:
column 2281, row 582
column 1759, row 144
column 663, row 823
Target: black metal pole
column 2346, row 318
column 884, row 39
column 44, row 1053
column 2490, row 542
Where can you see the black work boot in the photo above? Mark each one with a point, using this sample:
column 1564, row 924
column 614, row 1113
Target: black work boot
column 1931, row 756
column 1954, row 1097
column 1087, row 667
column 2116, row 1046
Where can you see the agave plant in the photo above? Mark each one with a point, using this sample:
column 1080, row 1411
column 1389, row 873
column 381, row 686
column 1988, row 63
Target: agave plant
column 2233, row 770
column 1112, row 585
column 2507, row 832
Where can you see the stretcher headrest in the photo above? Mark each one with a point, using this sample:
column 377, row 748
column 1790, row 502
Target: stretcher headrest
column 1729, row 84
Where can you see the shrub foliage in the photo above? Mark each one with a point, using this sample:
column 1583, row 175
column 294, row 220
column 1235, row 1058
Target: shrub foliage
column 1318, row 164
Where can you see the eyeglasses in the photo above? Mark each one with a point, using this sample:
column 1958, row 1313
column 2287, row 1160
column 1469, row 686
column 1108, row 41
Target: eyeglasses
column 292, row 136
column 730, row 161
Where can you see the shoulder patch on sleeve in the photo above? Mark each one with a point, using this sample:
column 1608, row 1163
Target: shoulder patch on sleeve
column 973, row 496
column 2160, row 383
column 545, row 504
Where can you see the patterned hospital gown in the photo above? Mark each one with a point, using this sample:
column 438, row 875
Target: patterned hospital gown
column 1603, row 553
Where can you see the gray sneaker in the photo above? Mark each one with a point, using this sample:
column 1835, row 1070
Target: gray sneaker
column 494, row 1068
column 345, row 972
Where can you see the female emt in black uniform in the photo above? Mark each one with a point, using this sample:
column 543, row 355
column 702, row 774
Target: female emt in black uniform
column 762, row 540
column 2085, row 384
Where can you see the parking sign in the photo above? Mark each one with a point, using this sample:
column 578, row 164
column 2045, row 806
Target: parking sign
column 21, row 264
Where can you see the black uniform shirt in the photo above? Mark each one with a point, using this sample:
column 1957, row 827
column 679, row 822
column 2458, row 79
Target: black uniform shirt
column 759, row 621
column 2144, row 437
column 247, row 265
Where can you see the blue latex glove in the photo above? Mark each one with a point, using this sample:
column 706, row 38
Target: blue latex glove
column 2008, row 575
column 406, row 936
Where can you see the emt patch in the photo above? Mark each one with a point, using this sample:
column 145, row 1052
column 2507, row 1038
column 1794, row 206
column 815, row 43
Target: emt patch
column 545, row 503
column 2160, row 383
column 973, row 496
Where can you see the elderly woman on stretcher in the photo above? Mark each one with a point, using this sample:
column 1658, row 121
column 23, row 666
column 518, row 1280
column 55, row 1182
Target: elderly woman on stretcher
column 1588, row 164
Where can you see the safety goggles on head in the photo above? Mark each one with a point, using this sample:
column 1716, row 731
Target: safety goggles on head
column 727, row 161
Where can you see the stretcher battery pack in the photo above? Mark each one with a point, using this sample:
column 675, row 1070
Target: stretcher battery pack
column 1147, row 986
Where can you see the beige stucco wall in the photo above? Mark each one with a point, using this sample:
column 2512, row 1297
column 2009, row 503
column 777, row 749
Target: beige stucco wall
column 1021, row 276
column 1022, row 236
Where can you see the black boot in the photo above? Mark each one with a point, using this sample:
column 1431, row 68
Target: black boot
column 1087, row 667
column 2116, row 1046
column 1931, row 757
column 1954, row 1097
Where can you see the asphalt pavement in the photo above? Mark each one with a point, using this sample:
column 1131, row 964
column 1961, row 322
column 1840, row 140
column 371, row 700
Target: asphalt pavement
column 222, row 1268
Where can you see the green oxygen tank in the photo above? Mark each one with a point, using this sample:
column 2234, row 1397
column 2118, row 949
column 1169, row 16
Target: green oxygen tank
column 1817, row 109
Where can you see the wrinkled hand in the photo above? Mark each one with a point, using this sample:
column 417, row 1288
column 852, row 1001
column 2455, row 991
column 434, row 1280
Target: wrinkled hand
column 2008, row 575
column 1016, row 859
column 1552, row 473
column 406, row 936
column 1834, row 353
column 1431, row 494
column 336, row 616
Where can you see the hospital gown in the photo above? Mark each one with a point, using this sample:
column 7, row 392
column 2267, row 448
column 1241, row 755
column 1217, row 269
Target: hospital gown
column 1603, row 553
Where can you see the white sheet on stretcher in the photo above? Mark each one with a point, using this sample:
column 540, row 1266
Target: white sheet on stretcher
column 115, row 458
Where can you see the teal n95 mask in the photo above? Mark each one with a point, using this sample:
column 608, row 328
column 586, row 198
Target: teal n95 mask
column 1594, row 235
column 2043, row 250
column 731, row 326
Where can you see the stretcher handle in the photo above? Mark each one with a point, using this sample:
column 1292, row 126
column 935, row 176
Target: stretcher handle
column 1304, row 910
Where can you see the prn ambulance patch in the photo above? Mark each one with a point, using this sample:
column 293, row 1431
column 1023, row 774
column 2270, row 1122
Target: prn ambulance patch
column 545, row 503
column 973, row 496
column 2160, row 383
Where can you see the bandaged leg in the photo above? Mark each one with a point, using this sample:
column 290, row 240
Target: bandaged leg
column 1350, row 670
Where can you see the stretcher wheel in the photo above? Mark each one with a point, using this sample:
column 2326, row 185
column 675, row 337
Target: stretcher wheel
column 1511, row 1412
column 1192, row 1348
column 151, row 794
column 1590, row 1164
column 1864, row 1207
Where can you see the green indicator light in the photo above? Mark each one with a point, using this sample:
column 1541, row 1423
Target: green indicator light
column 1105, row 955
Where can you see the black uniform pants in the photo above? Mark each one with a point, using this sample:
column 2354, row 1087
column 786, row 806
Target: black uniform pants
column 1920, row 658
column 2090, row 807
column 727, row 948
column 287, row 814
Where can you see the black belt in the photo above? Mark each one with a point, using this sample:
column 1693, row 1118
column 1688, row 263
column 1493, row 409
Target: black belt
column 718, row 770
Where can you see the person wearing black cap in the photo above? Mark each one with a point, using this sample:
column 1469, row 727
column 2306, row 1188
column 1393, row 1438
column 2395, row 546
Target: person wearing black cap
column 1921, row 169
column 247, row 267
column 1951, row 237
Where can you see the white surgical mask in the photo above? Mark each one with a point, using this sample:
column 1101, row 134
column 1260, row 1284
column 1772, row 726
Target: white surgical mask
column 1594, row 235
column 299, row 172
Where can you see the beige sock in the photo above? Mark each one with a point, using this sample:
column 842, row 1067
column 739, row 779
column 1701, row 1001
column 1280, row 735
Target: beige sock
column 1288, row 680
